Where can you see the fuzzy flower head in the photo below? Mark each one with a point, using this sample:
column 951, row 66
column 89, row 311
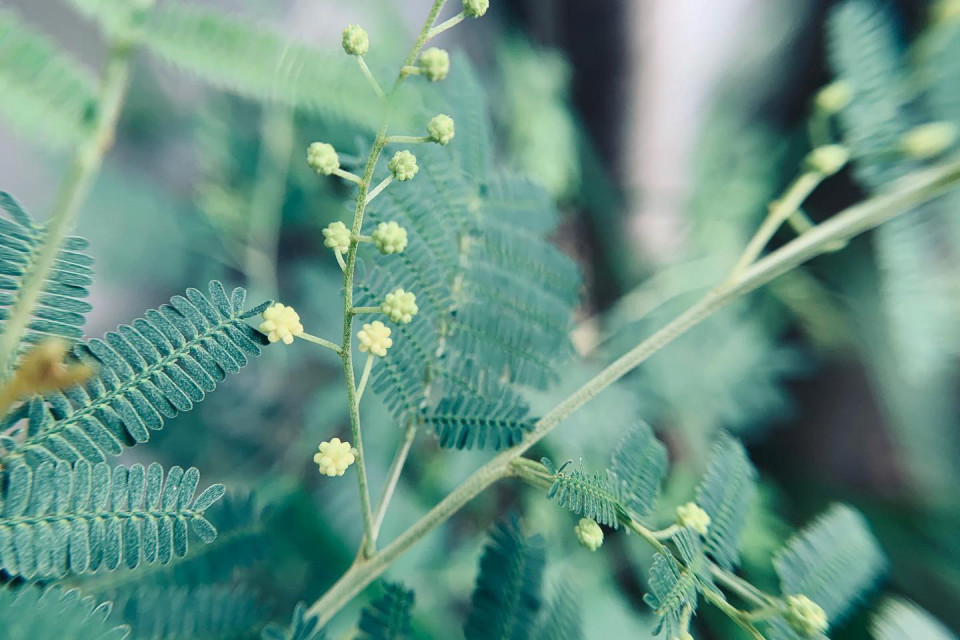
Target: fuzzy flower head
column 828, row 159
column 834, row 97
column 389, row 238
column 375, row 338
column 691, row 515
column 805, row 615
column 334, row 457
column 475, row 8
column 356, row 42
column 434, row 64
column 323, row 158
column 336, row 236
column 440, row 129
column 403, row 165
column 929, row 140
column 400, row 306
column 281, row 323
column 589, row 534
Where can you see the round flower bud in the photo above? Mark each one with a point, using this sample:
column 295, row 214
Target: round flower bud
column 434, row 64
column 805, row 615
column 589, row 534
column 946, row 11
column 375, row 338
column 403, row 165
column 929, row 140
column 440, row 129
column 334, row 457
column 356, row 42
column 400, row 306
column 834, row 97
column 281, row 323
column 828, row 159
column 475, row 8
column 691, row 515
column 336, row 236
column 389, row 238
column 323, row 158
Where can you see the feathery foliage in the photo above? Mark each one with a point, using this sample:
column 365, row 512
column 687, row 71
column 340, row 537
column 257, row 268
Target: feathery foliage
column 902, row 620
column 561, row 619
column 507, row 597
column 63, row 518
column 61, row 307
column 637, row 469
column 32, row 613
column 672, row 588
column 727, row 493
column 46, row 96
column 155, row 368
column 592, row 495
column 208, row 612
column 301, row 627
column 389, row 616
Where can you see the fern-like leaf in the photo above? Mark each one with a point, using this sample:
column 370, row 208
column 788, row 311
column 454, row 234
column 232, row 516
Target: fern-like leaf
column 63, row 518
column 507, row 596
column 561, row 619
column 209, row 612
column 46, row 96
column 31, row 613
column 902, row 620
column 389, row 616
column 60, row 309
column 637, row 468
column 591, row 495
column 672, row 587
column 149, row 371
column 833, row 562
column 727, row 494
column 302, row 627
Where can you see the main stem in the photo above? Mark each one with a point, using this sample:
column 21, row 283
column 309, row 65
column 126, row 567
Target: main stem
column 903, row 196
column 363, row 188
column 86, row 162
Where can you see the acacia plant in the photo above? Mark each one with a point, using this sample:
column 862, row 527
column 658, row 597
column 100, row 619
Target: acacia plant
column 462, row 307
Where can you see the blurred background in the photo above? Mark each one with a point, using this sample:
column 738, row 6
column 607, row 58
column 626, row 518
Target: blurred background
column 663, row 128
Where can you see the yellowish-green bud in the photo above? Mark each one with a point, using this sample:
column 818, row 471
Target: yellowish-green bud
column 834, row 97
column 929, row 140
column 336, row 236
column 440, row 129
column 403, row 165
column 281, row 323
column 434, row 64
column 475, row 8
column 323, row 158
column 389, row 238
column 400, row 306
column 375, row 338
column 945, row 11
column 334, row 457
column 805, row 616
column 691, row 515
column 356, row 42
column 828, row 159
column 589, row 534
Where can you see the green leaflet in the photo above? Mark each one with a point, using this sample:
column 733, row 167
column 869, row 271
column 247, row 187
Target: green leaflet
column 590, row 495
column 507, row 596
column 149, row 371
column 672, row 587
column 188, row 613
column 902, row 620
column 63, row 518
column 637, row 469
column 389, row 616
column 61, row 307
column 301, row 628
column 32, row 613
column 46, row 96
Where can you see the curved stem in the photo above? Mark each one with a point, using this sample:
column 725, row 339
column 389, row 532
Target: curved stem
column 365, row 376
column 904, row 195
column 393, row 476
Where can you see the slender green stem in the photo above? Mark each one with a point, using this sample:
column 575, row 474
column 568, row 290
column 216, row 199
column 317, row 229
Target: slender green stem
column 369, row 76
column 742, row 618
column 365, row 376
column 742, row 588
column 358, row 310
column 321, row 342
column 446, row 24
column 84, row 166
column 903, row 196
column 339, row 255
column 393, row 476
column 800, row 222
column 379, row 188
column 347, row 175
column 408, row 139
column 666, row 534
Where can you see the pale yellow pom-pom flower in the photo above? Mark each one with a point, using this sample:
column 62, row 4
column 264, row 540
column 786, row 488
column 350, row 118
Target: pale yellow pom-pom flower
column 281, row 323
column 334, row 457
column 691, row 515
column 400, row 306
column 589, row 534
column 805, row 615
column 375, row 338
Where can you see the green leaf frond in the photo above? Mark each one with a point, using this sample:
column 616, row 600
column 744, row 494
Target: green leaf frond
column 151, row 370
column 465, row 422
column 60, row 309
column 468, row 104
column 259, row 63
column 834, row 561
column 591, row 495
column 32, row 613
column 507, row 596
column 46, row 96
column 63, row 518
column 672, row 587
column 208, row 612
column 302, row 627
column 389, row 617
column 637, row 469
column 561, row 619
column 727, row 493
column 902, row 620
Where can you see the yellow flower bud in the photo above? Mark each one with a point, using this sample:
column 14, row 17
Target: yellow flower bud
column 589, row 534
column 281, row 323
column 375, row 338
column 334, row 457
column 805, row 615
column 691, row 515
column 929, row 140
column 828, row 159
